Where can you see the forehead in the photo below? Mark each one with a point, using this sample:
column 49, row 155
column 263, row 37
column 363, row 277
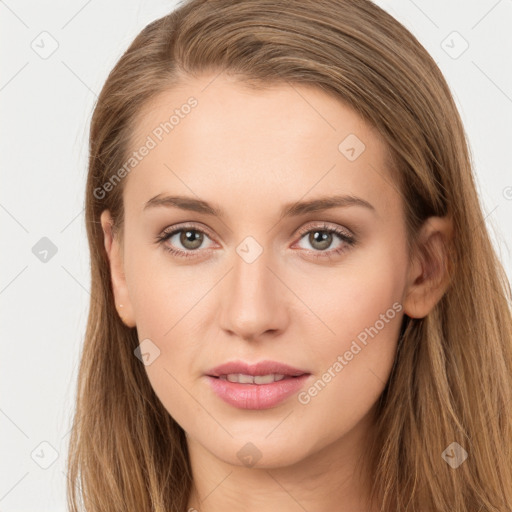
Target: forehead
column 215, row 137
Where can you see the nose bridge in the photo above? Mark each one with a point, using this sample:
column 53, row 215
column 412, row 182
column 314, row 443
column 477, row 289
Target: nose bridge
column 253, row 299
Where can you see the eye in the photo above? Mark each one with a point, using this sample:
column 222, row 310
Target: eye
column 189, row 237
column 321, row 238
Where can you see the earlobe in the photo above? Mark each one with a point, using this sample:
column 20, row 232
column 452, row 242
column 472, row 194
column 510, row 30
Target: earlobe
column 430, row 271
column 119, row 287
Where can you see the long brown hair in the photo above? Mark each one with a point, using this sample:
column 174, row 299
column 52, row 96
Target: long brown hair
column 452, row 378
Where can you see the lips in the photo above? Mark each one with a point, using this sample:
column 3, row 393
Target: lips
column 257, row 369
column 261, row 385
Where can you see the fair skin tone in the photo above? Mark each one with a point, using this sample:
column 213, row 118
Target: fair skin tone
column 249, row 153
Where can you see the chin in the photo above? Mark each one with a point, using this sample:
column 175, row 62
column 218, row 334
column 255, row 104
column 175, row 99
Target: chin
column 258, row 451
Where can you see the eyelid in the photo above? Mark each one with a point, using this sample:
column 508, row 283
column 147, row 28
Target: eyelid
column 323, row 225
column 190, row 225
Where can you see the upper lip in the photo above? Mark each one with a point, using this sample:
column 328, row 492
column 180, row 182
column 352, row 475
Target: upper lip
column 259, row 368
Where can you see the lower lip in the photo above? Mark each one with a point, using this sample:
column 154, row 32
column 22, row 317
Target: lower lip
column 256, row 396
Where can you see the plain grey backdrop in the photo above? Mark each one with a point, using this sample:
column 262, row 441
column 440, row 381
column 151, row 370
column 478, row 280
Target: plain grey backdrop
column 55, row 58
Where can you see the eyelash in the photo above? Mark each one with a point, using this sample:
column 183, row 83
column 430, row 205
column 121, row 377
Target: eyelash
column 349, row 241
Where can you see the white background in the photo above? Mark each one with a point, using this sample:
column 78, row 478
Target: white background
column 46, row 105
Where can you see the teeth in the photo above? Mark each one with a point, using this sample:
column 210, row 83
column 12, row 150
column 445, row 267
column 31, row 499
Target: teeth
column 250, row 379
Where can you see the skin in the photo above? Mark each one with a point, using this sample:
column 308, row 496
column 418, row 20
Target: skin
column 250, row 152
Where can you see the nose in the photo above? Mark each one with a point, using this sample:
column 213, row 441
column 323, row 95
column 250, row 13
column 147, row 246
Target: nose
column 254, row 300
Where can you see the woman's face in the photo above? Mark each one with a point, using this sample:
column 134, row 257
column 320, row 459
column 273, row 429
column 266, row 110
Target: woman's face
column 266, row 277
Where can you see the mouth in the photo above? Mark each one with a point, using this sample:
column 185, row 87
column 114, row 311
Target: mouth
column 256, row 386
column 242, row 378
column 262, row 372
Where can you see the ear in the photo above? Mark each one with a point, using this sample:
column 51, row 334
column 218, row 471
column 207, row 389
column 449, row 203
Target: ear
column 115, row 256
column 430, row 268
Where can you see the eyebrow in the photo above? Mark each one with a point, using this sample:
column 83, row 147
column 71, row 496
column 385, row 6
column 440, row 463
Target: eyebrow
column 289, row 210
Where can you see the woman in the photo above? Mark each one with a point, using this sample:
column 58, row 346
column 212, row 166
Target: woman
column 295, row 301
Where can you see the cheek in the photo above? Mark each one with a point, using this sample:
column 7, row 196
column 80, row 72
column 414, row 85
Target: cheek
column 161, row 293
column 165, row 300
column 352, row 297
column 353, row 371
column 362, row 308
